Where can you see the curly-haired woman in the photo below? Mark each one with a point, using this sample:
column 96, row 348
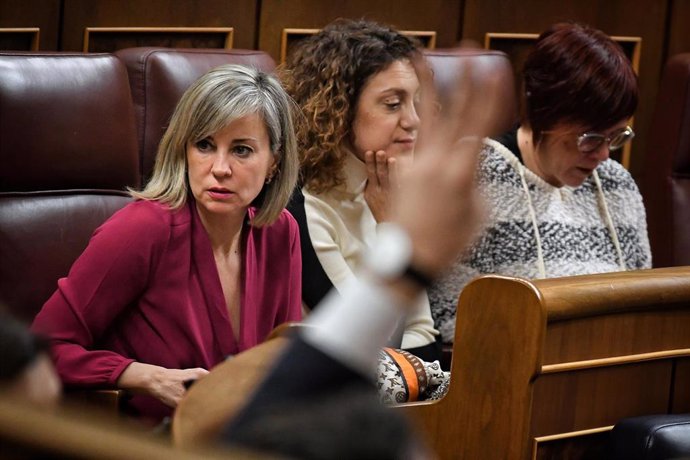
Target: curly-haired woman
column 357, row 87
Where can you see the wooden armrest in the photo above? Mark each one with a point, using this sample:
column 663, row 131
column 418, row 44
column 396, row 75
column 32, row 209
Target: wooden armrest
column 108, row 400
column 286, row 329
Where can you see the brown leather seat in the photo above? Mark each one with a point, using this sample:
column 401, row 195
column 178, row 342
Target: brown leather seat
column 666, row 180
column 448, row 63
column 67, row 151
column 159, row 76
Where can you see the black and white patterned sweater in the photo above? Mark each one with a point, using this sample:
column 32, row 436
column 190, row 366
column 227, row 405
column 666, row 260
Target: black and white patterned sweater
column 573, row 234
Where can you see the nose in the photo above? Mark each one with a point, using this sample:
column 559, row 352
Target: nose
column 602, row 153
column 221, row 165
column 409, row 119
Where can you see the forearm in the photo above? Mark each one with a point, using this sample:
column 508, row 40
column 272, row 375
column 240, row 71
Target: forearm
column 138, row 377
column 352, row 327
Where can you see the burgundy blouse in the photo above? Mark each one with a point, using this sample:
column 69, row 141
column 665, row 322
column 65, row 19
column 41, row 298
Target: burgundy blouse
column 147, row 289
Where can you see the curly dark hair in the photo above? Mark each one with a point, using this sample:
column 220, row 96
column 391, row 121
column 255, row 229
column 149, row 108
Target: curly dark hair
column 325, row 75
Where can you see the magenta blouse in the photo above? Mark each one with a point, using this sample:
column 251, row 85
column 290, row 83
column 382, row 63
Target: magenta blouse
column 147, row 289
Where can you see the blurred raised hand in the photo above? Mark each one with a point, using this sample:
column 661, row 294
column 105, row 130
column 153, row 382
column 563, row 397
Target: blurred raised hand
column 437, row 202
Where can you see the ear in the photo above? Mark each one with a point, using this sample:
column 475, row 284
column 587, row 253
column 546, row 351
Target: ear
column 272, row 171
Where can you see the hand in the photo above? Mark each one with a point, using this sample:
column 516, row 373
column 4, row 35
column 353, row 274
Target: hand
column 437, row 203
column 381, row 180
column 166, row 385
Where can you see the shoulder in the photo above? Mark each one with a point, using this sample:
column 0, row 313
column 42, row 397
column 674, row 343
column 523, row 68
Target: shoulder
column 285, row 226
column 497, row 164
column 614, row 176
column 144, row 219
column 322, row 207
column 286, row 221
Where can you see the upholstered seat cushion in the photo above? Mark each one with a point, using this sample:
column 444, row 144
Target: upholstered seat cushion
column 653, row 437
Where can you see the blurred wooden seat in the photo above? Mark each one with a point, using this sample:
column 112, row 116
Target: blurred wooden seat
column 27, row 432
column 212, row 401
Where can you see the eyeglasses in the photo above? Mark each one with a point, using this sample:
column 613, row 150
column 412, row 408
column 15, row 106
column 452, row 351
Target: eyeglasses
column 589, row 142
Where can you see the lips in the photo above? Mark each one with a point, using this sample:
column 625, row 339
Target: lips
column 586, row 171
column 219, row 192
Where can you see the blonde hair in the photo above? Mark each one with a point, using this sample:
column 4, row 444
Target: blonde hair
column 219, row 97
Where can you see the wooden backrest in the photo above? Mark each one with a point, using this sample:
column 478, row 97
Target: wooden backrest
column 543, row 369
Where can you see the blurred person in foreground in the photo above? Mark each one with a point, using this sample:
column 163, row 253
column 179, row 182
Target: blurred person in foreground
column 336, row 357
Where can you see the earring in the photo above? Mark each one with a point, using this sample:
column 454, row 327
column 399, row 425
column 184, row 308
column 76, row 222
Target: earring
column 271, row 175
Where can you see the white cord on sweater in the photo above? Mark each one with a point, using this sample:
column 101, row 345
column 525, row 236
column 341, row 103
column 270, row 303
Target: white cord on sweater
column 540, row 256
column 609, row 221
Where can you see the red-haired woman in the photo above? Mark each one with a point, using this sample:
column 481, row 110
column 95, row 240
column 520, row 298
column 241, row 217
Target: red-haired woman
column 557, row 205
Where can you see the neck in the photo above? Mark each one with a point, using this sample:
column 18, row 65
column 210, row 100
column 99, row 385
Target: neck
column 526, row 147
column 530, row 156
column 223, row 231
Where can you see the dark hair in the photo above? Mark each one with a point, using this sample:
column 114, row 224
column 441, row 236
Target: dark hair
column 325, row 76
column 346, row 423
column 18, row 347
column 577, row 74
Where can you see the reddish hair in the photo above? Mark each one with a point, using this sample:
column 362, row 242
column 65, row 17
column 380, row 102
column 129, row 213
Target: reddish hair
column 577, row 74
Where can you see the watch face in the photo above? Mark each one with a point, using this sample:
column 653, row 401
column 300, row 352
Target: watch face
column 392, row 251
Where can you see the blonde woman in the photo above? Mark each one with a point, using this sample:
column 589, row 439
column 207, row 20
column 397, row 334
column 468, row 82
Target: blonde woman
column 202, row 265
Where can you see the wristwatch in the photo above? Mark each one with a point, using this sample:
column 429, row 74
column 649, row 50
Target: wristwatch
column 391, row 256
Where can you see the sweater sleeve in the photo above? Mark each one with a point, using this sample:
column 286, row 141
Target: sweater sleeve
column 107, row 278
column 643, row 236
column 634, row 238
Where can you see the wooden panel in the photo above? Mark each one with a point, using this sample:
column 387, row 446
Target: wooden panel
column 616, row 335
column 589, row 444
column 36, row 14
column 572, row 401
column 680, row 401
column 291, row 37
column 24, row 39
column 109, row 39
column 238, row 14
column 679, row 23
column 639, row 18
column 440, row 16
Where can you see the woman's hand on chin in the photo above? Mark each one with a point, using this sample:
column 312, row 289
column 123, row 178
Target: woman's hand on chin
column 382, row 179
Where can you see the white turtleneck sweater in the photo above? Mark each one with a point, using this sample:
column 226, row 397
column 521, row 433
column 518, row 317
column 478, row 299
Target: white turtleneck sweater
column 536, row 230
column 342, row 227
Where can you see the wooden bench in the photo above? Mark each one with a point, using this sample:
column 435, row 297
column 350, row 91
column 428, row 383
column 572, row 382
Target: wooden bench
column 543, row 369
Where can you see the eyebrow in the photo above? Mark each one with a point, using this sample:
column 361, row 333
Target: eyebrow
column 245, row 139
column 234, row 141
